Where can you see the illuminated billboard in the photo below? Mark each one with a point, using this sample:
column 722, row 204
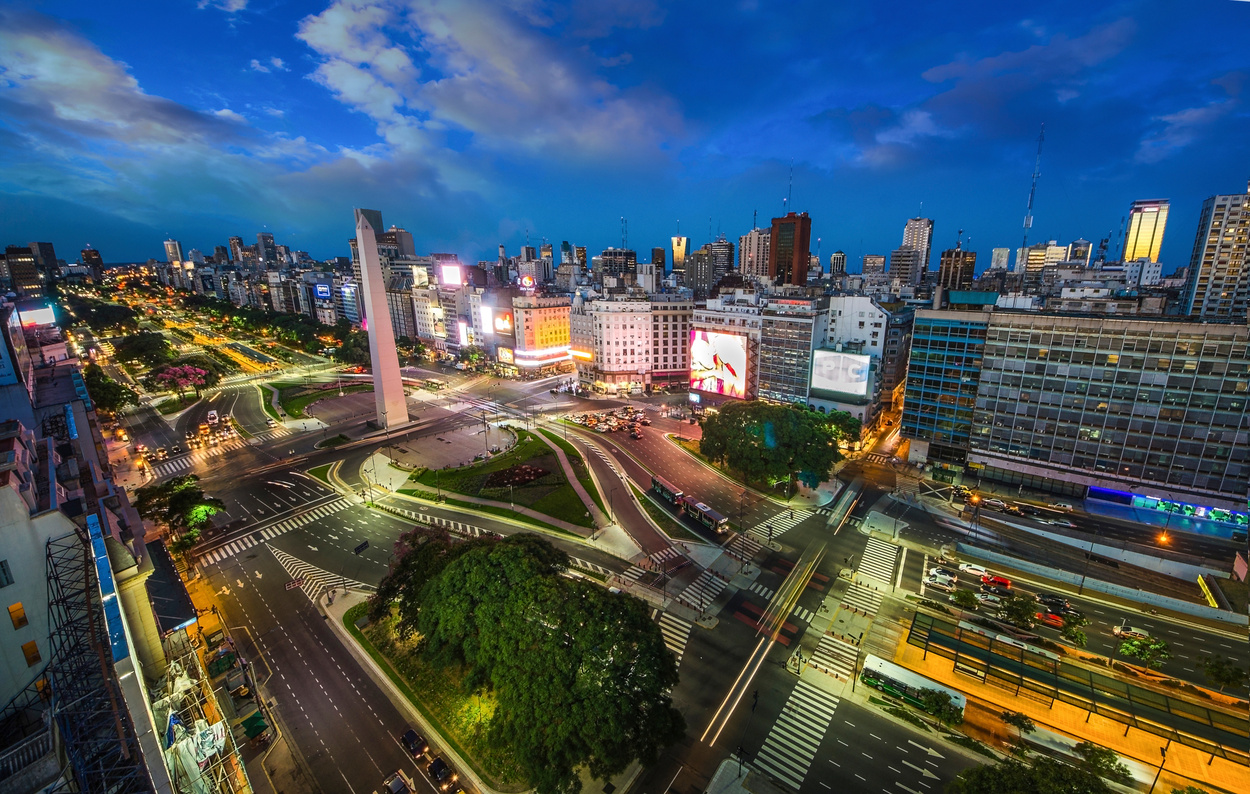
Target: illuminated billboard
column 449, row 276
column 528, row 281
column 323, row 291
column 503, row 322
column 37, row 315
column 840, row 373
column 718, row 363
column 464, row 333
column 505, row 355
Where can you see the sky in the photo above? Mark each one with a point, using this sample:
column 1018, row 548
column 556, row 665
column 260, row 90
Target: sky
column 473, row 123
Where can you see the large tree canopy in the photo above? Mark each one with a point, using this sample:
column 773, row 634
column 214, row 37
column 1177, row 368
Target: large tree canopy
column 180, row 504
column 106, row 393
column 1044, row 776
column 581, row 675
column 774, row 442
column 147, row 347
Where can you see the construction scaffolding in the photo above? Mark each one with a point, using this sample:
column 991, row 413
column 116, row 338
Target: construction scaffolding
column 96, row 730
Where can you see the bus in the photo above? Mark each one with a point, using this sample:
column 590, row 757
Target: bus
column 705, row 515
column 434, row 384
column 666, row 490
column 903, row 683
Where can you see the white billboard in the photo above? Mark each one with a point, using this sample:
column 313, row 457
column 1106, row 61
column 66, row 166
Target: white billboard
column 840, row 373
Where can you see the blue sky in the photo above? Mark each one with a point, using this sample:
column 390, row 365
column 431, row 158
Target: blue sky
column 469, row 122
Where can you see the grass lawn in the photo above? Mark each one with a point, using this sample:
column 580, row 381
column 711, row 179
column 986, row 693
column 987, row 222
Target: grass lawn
column 461, row 719
column 333, row 442
column 503, row 512
column 579, row 466
column 172, row 405
column 550, row 493
column 321, row 473
column 266, row 393
column 296, row 397
column 671, row 526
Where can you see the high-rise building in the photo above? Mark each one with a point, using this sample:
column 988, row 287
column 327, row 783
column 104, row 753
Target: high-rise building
column 790, row 243
column 681, row 246
column 266, row 250
column 873, row 265
column 221, row 255
column 697, row 274
column 546, row 251
column 173, row 251
column 722, row 258
column 1218, row 285
column 790, row 331
column 906, row 265
column 617, row 262
column 92, row 259
column 580, row 252
column 1080, row 250
column 956, row 269
column 45, row 256
column 24, row 277
column 753, row 253
column 1146, row 221
column 837, row 264
column 400, row 240
column 918, row 234
column 658, row 258
column 566, row 253
column 1000, row 258
column 236, row 248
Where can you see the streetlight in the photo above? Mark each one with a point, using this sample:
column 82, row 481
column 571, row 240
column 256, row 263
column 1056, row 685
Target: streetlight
column 1163, row 751
column 976, row 508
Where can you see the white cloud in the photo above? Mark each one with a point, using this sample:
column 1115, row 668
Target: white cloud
column 1175, row 131
column 229, row 115
column 257, row 66
column 278, row 63
column 914, row 125
column 275, row 112
column 229, row 6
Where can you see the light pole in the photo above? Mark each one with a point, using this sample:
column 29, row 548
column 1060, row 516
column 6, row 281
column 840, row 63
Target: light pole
column 1163, row 751
column 976, row 508
column 511, row 503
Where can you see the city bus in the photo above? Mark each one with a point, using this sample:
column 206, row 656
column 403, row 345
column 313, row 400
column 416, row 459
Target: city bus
column 666, row 490
column 435, row 384
column 705, row 515
column 903, row 683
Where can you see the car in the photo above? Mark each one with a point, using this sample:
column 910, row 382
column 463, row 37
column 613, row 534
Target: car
column 414, row 743
column 176, row 449
column 943, row 572
column 1051, row 600
column 398, row 783
column 441, row 773
column 645, row 421
column 989, row 599
column 1130, row 633
column 1061, row 506
column 162, row 453
column 1030, row 510
column 1065, row 612
column 945, row 585
column 972, row 569
column 1012, row 510
column 996, row 590
column 961, row 490
column 1060, row 522
column 994, row 504
column 1050, row 619
column 635, row 434
column 994, row 579
column 141, row 448
column 190, row 435
column 270, row 422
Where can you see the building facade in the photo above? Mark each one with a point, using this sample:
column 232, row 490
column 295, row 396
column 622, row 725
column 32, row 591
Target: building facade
column 1219, row 282
column 956, row 268
column 789, row 252
column 753, row 253
column 542, row 331
column 1146, row 223
column 790, row 330
column 918, row 235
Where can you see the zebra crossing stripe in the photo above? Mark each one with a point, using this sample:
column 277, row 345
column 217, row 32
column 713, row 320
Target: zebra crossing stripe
column 878, row 560
column 676, row 633
column 780, row 523
column 803, row 614
column 835, row 657
column 791, row 745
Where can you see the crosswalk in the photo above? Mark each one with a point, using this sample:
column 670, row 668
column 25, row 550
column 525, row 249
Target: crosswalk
column 835, row 657
column 314, row 581
column 659, row 558
column 862, row 598
column 791, row 746
column 779, row 524
column 802, row 613
column 878, row 561
column 676, row 632
column 877, row 457
column 702, row 591
column 165, row 468
column 589, row 566
column 761, row 590
column 265, row 535
column 744, row 547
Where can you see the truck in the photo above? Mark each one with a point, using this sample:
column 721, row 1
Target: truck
column 212, row 417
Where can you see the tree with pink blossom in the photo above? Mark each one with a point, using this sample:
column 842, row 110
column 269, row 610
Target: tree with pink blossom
column 183, row 377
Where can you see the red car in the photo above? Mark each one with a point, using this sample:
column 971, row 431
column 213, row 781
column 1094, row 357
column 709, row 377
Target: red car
column 995, row 580
column 1050, row 619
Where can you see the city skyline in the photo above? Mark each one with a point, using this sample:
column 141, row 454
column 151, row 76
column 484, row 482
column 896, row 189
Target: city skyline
column 202, row 123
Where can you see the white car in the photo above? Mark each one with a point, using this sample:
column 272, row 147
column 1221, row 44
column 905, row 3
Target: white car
column 945, row 585
column 943, row 573
column 989, row 599
column 1061, row 506
column 972, row 570
column 994, row 504
column 1130, row 633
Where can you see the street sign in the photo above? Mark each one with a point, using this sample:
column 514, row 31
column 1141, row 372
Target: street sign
column 364, row 544
column 295, row 584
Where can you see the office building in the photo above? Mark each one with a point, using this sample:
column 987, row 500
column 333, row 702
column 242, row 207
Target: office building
column 737, row 317
column 1146, row 222
column 918, row 234
column 790, row 329
column 24, row 276
column 580, row 253
column 659, row 258
column 837, row 264
column 92, row 259
column 1080, row 250
column 266, row 250
column 399, row 240
column 236, row 248
column 619, row 263
column 173, row 251
column 698, row 273
column 906, row 265
column 1129, row 410
column 681, row 246
column 542, row 331
column 45, row 257
column 873, row 265
column 790, row 243
column 722, row 257
column 753, row 253
column 867, row 326
column 956, row 268
column 1000, row 258
column 1218, row 286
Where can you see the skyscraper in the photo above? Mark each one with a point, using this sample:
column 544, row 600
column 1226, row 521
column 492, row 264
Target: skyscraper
column 266, row 251
column 236, row 248
column 837, row 264
column 658, row 258
column 1000, row 258
column 789, row 249
column 45, row 256
column 1146, row 222
column 221, row 255
column 617, row 262
column 722, row 258
column 681, row 246
column 955, row 271
column 905, row 265
column 1218, row 285
column 918, row 234
column 874, row 265
column 173, row 251
column 753, row 253
column 24, row 278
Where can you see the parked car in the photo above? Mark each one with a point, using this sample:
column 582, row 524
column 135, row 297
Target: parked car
column 414, row 743
column 995, row 579
column 1061, row 506
column 972, row 569
column 994, row 504
column 993, row 589
column 398, row 783
column 1130, row 633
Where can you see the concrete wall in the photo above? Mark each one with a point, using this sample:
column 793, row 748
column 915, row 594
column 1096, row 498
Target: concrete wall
column 1180, row 570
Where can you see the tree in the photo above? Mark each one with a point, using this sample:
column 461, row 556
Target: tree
column 939, row 704
column 1021, row 722
column 1222, row 671
column 772, row 442
column 147, row 347
column 421, row 554
column 471, row 354
column 1074, row 629
column 180, row 504
column 1150, row 651
column 1020, row 611
column 581, row 676
column 1102, row 762
column 965, row 599
column 1190, row 790
column 106, row 393
column 181, row 377
column 1043, row 776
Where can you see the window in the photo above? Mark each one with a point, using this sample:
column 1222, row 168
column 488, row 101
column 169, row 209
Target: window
column 6, row 576
column 31, row 649
column 17, row 614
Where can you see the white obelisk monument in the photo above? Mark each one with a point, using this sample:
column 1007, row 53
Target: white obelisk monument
column 388, row 386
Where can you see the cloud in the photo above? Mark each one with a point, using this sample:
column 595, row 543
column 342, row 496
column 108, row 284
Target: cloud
column 257, row 66
column 279, row 64
column 275, row 112
column 1175, row 131
column 914, row 125
column 229, row 6
column 229, row 115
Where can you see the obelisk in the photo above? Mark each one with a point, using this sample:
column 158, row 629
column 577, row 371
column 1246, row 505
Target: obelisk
column 388, row 386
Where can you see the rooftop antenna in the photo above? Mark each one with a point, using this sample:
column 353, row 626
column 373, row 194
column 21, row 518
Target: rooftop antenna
column 959, row 238
column 1037, row 172
column 921, row 215
column 790, row 190
column 624, row 232
column 755, row 219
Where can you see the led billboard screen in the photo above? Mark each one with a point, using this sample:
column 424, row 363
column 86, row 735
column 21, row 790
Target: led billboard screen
column 718, row 363
column 840, row 373
column 505, row 355
column 449, row 276
column 37, row 315
column 323, row 291
column 503, row 322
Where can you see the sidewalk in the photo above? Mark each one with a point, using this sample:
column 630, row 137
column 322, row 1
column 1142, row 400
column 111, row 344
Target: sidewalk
column 600, row 519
